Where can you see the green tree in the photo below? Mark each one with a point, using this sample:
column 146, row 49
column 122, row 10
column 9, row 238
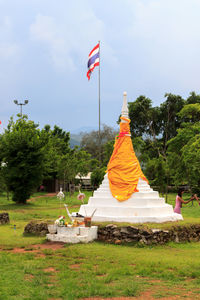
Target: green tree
column 190, row 113
column 97, row 176
column 57, row 145
column 92, row 144
column 22, row 151
column 157, row 171
column 144, row 118
column 183, row 149
column 193, row 98
column 72, row 163
column 170, row 120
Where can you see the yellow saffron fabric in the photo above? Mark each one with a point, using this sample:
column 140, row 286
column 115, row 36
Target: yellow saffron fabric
column 123, row 168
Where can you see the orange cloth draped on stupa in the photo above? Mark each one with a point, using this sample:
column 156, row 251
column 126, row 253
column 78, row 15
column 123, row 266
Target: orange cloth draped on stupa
column 123, row 168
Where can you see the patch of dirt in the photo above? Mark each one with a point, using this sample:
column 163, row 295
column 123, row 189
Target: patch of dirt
column 20, row 250
column 36, row 248
column 49, row 245
column 50, row 269
column 74, row 267
column 41, row 196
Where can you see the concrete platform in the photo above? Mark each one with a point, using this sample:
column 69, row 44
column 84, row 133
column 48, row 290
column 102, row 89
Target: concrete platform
column 72, row 235
column 142, row 207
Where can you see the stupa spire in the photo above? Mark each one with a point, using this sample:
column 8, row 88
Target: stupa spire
column 124, row 106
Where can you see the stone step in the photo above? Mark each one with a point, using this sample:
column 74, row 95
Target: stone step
column 143, row 194
column 141, row 189
column 137, row 202
column 106, row 185
column 141, row 219
column 116, row 211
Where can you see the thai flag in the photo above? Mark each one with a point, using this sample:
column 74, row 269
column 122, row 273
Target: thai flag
column 93, row 60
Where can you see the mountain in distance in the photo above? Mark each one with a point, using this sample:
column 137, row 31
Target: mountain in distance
column 77, row 134
column 83, row 129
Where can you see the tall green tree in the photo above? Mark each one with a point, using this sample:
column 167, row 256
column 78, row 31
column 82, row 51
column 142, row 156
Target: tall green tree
column 184, row 150
column 23, row 153
column 170, row 120
column 193, row 98
column 144, row 118
column 57, row 145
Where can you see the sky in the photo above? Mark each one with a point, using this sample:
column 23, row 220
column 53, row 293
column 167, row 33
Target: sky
column 148, row 47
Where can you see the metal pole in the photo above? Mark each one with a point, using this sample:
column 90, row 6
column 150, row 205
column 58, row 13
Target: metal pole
column 99, row 112
column 20, row 109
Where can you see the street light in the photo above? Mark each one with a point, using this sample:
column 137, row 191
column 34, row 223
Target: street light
column 25, row 102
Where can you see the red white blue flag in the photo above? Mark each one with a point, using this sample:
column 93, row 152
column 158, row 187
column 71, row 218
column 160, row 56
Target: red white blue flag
column 93, row 60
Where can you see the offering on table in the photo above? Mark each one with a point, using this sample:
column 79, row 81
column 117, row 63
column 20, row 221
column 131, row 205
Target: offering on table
column 87, row 221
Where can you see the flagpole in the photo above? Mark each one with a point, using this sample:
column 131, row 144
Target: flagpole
column 99, row 112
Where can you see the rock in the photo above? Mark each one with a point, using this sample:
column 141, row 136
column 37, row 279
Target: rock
column 145, row 232
column 118, row 242
column 177, row 238
column 124, row 230
column 111, row 226
column 156, row 230
column 143, row 241
column 133, row 229
column 116, row 233
column 128, row 240
column 34, row 228
column 4, row 218
column 134, row 237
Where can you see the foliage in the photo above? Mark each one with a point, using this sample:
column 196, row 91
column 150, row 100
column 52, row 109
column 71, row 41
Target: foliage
column 190, row 113
column 144, row 118
column 57, row 144
column 184, row 151
column 93, row 144
column 97, row 176
column 22, row 151
column 170, row 121
column 171, row 125
column 72, row 163
column 193, row 98
column 108, row 149
column 157, row 172
column 191, row 159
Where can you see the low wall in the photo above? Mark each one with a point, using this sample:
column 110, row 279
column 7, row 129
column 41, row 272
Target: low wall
column 130, row 234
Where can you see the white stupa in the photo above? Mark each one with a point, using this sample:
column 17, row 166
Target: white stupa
column 142, row 206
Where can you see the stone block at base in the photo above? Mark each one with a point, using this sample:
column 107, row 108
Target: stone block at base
column 74, row 235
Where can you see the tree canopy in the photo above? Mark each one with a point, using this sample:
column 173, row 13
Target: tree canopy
column 22, row 152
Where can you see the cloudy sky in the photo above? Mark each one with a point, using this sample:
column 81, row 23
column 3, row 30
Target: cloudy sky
column 148, row 47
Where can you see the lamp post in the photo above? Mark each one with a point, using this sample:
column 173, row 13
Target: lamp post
column 17, row 103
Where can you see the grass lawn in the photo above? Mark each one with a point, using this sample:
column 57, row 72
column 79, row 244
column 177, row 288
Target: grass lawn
column 95, row 269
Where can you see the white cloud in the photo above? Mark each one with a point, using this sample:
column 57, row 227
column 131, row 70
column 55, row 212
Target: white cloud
column 8, row 48
column 168, row 33
column 69, row 40
column 48, row 32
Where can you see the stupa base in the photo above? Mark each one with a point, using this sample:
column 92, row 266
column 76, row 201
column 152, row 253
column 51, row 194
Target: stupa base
column 144, row 206
column 136, row 220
